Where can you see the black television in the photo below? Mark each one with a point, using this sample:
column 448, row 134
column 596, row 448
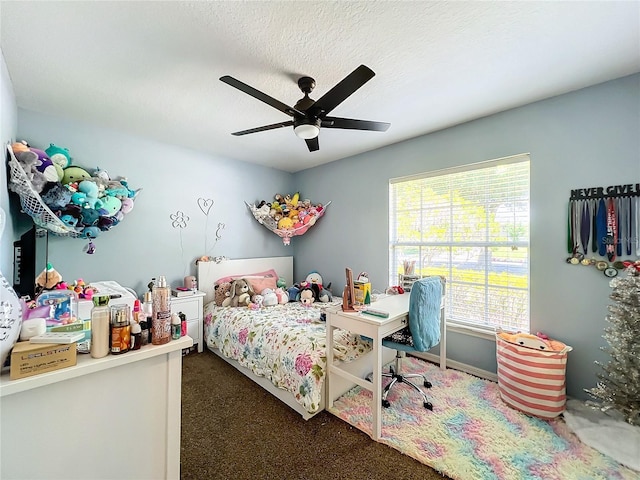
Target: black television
column 30, row 257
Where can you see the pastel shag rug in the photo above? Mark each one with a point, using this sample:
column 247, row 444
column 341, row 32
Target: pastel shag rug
column 472, row 435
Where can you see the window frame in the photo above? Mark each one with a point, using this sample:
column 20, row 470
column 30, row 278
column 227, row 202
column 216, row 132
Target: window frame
column 523, row 297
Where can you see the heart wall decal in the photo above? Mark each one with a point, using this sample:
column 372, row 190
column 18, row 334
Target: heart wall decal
column 205, row 205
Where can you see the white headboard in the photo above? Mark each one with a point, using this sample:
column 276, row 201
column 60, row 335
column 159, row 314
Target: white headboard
column 209, row 272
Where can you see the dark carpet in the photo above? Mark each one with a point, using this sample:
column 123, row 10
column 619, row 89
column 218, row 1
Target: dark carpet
column 233, row 429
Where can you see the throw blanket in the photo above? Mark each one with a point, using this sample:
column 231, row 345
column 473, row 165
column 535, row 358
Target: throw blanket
column 424, row 313
column 284, row 343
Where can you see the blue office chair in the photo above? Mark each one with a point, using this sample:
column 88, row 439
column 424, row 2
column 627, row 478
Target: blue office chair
column 421, row 335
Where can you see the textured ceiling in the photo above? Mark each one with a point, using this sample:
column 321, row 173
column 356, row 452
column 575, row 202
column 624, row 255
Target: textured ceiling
column 152, row 68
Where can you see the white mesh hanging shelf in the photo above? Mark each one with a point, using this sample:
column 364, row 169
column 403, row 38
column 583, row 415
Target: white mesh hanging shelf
column 299, row 228
column 32, row 203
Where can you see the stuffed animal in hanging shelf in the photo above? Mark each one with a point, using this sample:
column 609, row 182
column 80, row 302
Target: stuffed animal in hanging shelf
column 240, row 294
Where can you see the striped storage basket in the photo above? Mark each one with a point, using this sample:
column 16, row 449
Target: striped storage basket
column 531, row 374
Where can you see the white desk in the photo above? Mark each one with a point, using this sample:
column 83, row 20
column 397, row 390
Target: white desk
column 375, row 328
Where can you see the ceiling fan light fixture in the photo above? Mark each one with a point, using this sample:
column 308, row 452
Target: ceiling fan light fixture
column 307, row 128
column 309, row 115
column 306, row 132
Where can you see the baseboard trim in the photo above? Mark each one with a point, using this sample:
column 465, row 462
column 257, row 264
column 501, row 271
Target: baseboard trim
column 463, row 367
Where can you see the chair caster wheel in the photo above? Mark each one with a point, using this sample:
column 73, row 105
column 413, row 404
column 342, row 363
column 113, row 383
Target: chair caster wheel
column 428, row 384
column 428, row 405
column 387, row 404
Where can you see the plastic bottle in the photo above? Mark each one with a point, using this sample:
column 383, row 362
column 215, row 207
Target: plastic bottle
column 176, row 327
column 100, row 328
column 120, row 329
column 161, row 312
column 136, row 336
column 147, row 312
column 183, row 324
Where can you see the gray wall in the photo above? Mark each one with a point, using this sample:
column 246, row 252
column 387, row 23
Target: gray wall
column 587, row 138
column 146, row 244
column 582, row 139
column 8, row 125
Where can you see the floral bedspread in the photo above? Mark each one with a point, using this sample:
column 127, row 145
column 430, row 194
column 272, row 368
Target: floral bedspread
column 284, row 343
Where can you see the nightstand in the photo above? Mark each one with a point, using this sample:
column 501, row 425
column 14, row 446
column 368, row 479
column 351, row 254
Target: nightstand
column 192, row 307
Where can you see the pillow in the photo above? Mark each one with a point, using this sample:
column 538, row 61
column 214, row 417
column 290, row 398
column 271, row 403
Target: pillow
column 258, row 281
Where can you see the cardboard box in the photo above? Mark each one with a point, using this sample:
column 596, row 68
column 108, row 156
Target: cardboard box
column 29, row 359
column 362, row 293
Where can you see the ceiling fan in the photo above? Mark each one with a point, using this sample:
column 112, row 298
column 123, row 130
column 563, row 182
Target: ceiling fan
column 308, row 114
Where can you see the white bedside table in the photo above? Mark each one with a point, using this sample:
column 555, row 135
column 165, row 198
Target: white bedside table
column 192, row 306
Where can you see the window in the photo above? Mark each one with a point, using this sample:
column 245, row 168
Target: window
column 471, row 225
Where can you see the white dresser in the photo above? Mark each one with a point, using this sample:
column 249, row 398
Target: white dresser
column 113, row 417
column 192, row 306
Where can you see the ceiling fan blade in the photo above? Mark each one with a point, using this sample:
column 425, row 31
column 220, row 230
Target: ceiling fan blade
column 313, row 144
column 350, row 123
column 263, row 97
column 264, row 128
column 342, row 90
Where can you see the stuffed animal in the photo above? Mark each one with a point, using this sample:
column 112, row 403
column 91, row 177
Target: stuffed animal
column 285, row 223
column 112, row 205
column 90, row 232
column 240, row 294
column 256, row 304
column 104, row 222
column 221, row 292
column 307, row 297
column 89, row 217
column 537, row 342
column 293, row 293
column 314, row 277
column 324, row 294
column 125, row 207
column 70, row 215
column 283, row 296
column 59, row 156
column 69, row 220
column 269, row 297
column 74, row 174
column 29, row 162
column 55, row 196
column 48, row 279
column 102, row 174
column 262, row 212
column 87, row 195
column 46, row 166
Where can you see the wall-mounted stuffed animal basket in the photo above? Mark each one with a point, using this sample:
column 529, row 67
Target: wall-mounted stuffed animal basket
column 66, row 200
column 287, row 216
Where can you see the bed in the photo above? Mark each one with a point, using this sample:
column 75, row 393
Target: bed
column 282, row 348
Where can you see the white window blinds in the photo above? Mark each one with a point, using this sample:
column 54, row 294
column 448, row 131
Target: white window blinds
column 471, row 225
